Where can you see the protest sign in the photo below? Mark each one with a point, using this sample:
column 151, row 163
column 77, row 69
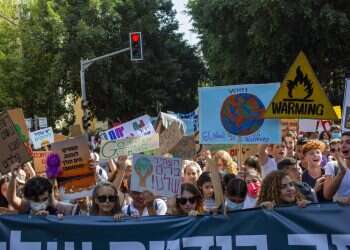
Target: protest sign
column 243, row 151
column 12, row 147
column 138, row 127
column 170, row 137
column 185, row 148
column 129, row 146
column 74, row 155
column 236, row 151
column 190, row 121
column 77, row 175
column 39, row 160
column 286, row 228
column 235, row 115
column 59, row 137
column 42, row 137
column 20, row 124
column 301, row 95
column 75, row 131
column 337, row 110
column 160, row 175
column 346, row 107
column 312, row 125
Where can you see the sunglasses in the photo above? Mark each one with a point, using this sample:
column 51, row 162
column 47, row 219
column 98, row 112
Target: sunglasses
column 333, row 150
column 183, row 201
column 104, row 198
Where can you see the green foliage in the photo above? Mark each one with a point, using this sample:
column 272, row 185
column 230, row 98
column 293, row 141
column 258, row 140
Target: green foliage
column 40, row 58
column 256, row 41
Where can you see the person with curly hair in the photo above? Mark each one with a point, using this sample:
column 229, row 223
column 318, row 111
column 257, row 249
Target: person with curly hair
column 314, row 174
column 279, row 190
column 225, row 163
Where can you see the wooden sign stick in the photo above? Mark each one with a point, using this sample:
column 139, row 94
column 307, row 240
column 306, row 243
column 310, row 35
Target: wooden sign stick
column 216, row 181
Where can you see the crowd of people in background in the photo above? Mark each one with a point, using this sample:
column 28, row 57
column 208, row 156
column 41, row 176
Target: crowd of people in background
column 303, row 169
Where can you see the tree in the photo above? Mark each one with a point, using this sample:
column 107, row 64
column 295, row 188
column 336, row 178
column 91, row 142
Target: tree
column 257, row 41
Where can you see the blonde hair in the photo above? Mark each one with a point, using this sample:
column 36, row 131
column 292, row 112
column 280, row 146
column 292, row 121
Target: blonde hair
column 188, row 163
column 230, row 166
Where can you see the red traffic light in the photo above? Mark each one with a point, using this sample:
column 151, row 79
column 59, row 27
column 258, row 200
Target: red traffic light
column 135, row 37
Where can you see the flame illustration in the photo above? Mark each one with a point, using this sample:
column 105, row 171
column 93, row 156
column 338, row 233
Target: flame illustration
column 303, row 80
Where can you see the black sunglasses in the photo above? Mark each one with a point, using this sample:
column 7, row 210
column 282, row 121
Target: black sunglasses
column 333, row 150
column 103, row 198
column 183, row 201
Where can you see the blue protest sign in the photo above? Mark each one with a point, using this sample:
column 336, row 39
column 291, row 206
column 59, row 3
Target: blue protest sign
column 235, row 115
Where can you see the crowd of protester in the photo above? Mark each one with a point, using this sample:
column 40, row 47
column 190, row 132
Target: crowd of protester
column 303, row 169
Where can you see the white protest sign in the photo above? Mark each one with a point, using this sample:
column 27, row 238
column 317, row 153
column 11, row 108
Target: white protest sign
column 138, row 127
column 129, row 146
column 312, row 125
column 42, row 122
column 42, row 137
column 160, row 175
column 346, row 107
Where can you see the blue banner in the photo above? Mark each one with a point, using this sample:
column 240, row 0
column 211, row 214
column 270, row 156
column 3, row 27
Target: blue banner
column 320, row 227
column 235, row 115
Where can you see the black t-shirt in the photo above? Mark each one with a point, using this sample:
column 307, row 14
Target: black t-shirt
column 3, row 202
column 312, row 182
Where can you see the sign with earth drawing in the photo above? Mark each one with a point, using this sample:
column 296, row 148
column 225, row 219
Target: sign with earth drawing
column 160, row 175
column 235, row 115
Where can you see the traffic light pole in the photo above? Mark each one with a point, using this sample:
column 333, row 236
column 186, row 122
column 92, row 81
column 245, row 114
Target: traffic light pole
column 85, row 64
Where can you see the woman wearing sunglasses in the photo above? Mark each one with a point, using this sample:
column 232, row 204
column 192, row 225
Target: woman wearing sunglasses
column 190, row 202
column 105, row 201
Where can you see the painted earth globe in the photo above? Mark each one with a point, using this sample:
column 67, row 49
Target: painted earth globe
column 242, row 114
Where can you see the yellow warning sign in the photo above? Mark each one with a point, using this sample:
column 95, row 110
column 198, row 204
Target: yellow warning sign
column 301, row 95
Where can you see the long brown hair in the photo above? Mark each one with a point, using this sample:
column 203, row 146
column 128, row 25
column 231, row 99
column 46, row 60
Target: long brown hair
column 271, row 188
column 94, row 208
column 189, row 187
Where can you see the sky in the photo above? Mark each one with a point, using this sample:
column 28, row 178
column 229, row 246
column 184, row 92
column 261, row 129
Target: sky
column 185, row 25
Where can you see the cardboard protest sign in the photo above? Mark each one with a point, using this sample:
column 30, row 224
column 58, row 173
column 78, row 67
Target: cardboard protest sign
column 42, row 137
column 59, row 137
column 130, row 146
column 39, row 160
column 243, row 151
column 160, row 175
column 77, row 175
column 191, row 121
column 346, row 107
column 236, row 151
column 75, row 131
column 235, row 115
column 301, row 95
column 169, row 138
column 185, row 148
column 12, row 147
column 312, row 125
column 138, row 127
column 19, row 122
column 74, row 155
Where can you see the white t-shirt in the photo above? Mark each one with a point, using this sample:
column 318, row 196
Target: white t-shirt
column 268, row 167
column 344, row 188
column 249, row 202
column 159, row 205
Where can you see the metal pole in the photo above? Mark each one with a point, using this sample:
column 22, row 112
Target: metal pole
column 82, row 80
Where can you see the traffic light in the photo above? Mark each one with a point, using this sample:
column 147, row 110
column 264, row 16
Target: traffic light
column 87, row 114
column 135, row 46
column 86, row 120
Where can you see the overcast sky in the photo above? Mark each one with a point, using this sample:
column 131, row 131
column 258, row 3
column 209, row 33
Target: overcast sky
column 185, row 25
